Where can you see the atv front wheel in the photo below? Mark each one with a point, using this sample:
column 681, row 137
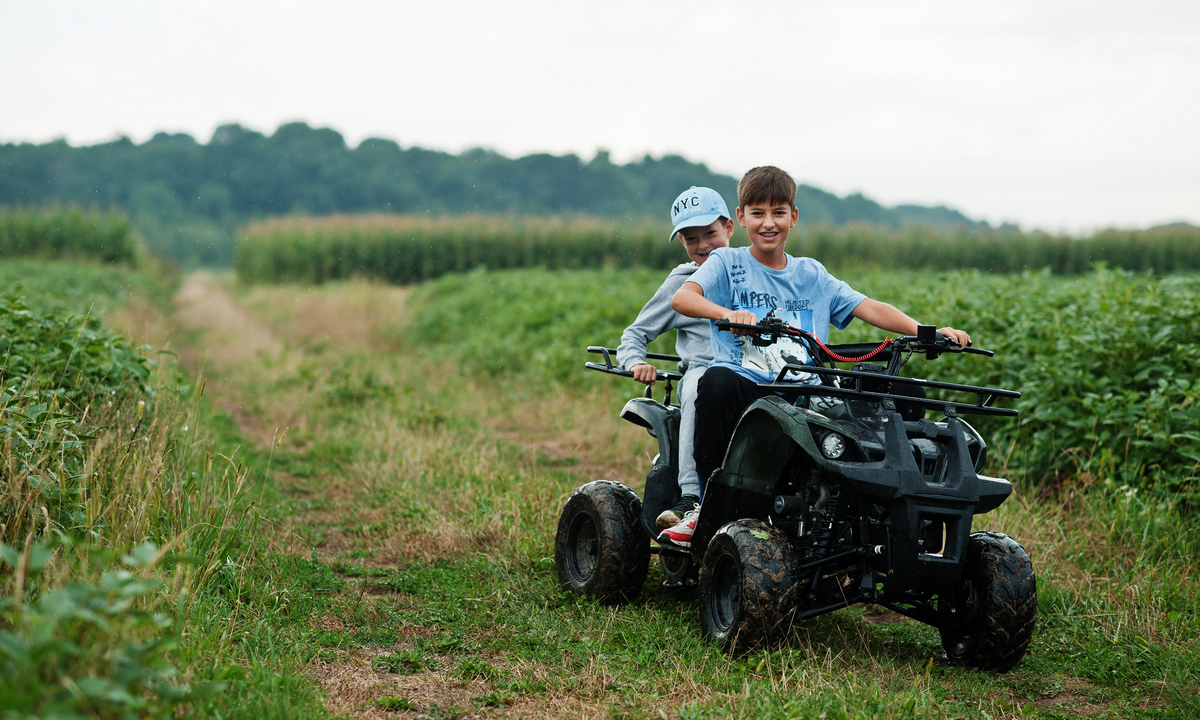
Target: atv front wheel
column 600, row 549
column 997, row 603
column 748, row 586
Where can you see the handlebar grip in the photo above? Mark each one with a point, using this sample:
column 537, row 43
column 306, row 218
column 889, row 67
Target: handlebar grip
column 724, row 324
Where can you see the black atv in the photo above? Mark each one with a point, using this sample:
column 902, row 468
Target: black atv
column 865, row 502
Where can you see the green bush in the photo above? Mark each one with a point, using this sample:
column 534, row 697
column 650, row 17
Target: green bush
column 95, row 440
column 88, row 649
column 46, row 353
column 68, row 233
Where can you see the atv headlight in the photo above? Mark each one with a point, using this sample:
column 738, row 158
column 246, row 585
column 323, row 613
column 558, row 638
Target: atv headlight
column 833, row 446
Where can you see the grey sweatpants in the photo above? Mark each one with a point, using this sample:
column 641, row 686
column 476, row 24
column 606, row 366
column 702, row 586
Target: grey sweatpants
column 689, row 479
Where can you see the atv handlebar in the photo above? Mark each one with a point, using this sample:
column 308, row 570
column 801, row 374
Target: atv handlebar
column 927, row 340
column 608, row 366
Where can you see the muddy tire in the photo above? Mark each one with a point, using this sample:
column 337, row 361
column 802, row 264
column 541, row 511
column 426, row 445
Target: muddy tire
column 1000, row 603
column 748, row 586
column 600, row 549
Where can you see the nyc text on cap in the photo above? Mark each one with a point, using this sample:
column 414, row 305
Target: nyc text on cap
column 696, row 207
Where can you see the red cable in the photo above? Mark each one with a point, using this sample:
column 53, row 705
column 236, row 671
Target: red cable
column 839, row 358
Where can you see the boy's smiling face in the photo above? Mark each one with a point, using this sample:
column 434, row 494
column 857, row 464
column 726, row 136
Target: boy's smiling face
column 700, row 241
column 768, row 225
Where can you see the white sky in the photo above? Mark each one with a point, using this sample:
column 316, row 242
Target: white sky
column 1059, row 114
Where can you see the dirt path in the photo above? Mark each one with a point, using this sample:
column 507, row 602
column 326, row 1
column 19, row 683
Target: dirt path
column 227, row 333
column 262, row 334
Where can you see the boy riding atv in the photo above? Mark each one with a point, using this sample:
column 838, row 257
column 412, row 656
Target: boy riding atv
column 743, row 285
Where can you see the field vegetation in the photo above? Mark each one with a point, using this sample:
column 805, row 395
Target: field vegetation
column 68, row 233
column 357, row 517
column 408, row 249
column 434, row 434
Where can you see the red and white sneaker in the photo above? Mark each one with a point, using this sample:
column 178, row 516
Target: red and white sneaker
column 681, row 534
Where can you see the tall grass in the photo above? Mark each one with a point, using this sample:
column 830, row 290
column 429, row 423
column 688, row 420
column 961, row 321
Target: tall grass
column 68, row 233
column 409, row 249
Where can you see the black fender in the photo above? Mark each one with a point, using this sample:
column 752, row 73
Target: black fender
column 661, row 421
column 763, row 442
column 662, row 482
column 930, row 515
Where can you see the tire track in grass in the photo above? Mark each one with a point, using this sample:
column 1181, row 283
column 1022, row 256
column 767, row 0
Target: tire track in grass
column 237, row 337
column 220, row 336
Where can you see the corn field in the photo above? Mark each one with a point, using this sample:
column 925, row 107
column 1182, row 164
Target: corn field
column 1168, row 249
column 68, row 233
column 408, row 249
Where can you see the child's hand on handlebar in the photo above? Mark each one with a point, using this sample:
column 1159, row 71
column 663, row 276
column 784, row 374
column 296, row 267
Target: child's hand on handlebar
column 644, row 373
column 956, row 336
column 742, row 317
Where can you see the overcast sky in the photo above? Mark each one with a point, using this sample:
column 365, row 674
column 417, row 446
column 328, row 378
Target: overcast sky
column 1059, row 114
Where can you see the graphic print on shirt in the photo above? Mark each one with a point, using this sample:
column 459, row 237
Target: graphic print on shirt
column 784, row 351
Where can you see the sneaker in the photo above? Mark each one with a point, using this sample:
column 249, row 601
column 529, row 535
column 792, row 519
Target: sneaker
column 681, row 534
column 674, row 516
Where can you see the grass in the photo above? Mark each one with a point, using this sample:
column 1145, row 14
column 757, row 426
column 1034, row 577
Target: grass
column 411, row 512
column 405, row 488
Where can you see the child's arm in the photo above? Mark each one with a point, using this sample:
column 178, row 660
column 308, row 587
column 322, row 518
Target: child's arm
column 888, row 317
column 655, row 318
column 689, row 300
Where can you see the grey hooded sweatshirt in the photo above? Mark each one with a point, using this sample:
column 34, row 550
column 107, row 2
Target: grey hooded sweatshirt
column 693, row 343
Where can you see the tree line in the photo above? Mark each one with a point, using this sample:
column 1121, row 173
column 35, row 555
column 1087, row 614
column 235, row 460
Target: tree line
column 186, row 197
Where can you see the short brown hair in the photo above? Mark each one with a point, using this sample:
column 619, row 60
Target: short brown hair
column 767, row 185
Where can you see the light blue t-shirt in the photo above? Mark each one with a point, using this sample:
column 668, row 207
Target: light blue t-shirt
column 804, row 294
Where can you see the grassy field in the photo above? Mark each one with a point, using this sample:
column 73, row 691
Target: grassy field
column 433, row 434
column 406, row 453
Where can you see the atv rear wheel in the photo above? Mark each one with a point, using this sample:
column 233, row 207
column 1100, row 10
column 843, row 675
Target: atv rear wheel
column 747, row 586
column 600, row 550
column 998, row 602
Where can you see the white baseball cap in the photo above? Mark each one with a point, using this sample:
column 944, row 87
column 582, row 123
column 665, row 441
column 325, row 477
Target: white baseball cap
column 697, row 207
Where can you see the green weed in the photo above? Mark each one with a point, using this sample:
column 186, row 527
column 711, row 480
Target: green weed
column 408, row 662
column 395, row 704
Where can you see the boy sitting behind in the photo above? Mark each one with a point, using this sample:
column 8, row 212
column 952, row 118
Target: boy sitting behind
column 742, row 285
column 703, row 223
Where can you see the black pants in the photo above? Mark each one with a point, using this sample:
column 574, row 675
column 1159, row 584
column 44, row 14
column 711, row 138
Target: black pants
column 721, row 397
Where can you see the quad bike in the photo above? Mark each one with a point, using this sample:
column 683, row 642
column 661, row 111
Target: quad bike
column 865, row 502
